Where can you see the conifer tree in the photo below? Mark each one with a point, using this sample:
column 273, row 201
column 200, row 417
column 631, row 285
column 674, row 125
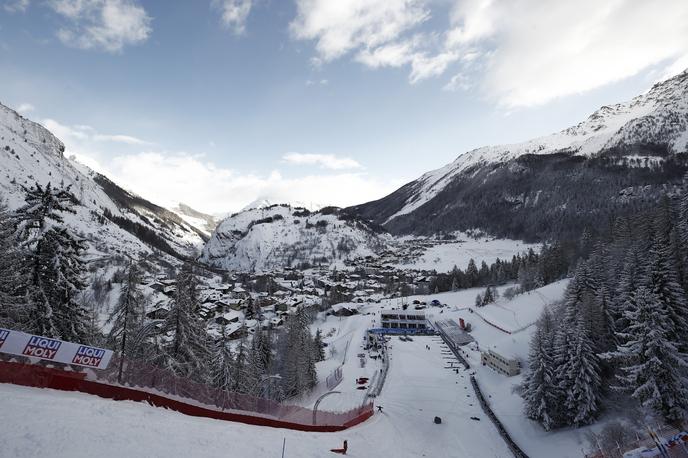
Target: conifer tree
column 541, row 393
column 582, row 402
column 652, row 368
column 13, row 312
column 222, row 364
column 189, row 351
column 127, row 317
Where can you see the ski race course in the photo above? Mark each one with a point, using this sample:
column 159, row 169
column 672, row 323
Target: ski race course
column 424, row 380
column 417, row 390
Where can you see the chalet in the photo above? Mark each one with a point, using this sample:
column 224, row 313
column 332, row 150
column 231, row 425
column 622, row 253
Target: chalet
column 158, row 313
column 229, row 317
column 345, row 309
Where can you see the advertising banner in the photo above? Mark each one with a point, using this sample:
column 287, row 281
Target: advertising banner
column 22, row 344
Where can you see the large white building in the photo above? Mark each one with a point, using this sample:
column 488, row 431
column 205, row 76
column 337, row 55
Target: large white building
column 502, row 364
column 403, row 319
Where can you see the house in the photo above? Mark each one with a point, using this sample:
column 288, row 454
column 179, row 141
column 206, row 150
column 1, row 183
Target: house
column 502, row 364
column 158, row 313
column 229, row 317
column 403, row 319
column 239, row 293
column 345, row 309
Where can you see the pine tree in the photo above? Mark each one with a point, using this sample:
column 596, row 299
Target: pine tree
column 58, row 281
column 54, row 268
column 127, row 317
column 13, row 312
column 653, row 369
column 472, row 274
column 188, row 352
column 582, row 402
column 662, row 279
column 318, row 346
column 541, row 393
column 222, row 364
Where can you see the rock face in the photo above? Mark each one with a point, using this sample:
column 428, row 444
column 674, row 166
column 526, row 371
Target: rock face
column 634, row 149
column 281, row 236
column 110, row 218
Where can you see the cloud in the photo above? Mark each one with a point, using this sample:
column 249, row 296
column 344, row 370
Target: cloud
column 109, row 25
column 327, row 161
column 344, row 25
column 86, row 138
column 25, row 108
column 516, row 52
column 234, row 13
column 168, row 178
column 16, row 6
column 544, row 50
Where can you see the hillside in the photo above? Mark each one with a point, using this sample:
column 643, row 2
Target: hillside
column 537, row 189
column 110, row 218
column 283, row 236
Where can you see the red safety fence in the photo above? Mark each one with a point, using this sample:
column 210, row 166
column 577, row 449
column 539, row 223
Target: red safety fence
column 161, row 388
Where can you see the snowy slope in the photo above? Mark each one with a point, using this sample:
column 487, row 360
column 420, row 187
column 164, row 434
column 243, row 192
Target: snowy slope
column 30, row 154
column 658, row 117
column 418, row 387
column 283, row 236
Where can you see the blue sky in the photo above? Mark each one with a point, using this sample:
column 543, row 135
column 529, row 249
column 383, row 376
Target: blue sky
column 216, row 103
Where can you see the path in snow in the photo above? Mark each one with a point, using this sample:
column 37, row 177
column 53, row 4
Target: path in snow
column 43, row 422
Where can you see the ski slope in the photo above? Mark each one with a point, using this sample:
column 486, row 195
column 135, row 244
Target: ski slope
column 45, row 422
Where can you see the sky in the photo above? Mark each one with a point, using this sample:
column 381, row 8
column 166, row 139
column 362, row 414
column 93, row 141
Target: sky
column 217, row 103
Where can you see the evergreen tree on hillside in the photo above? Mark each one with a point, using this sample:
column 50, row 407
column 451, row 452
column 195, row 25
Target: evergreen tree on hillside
column 662, row 280
column 541, row 394
column 318, row 346
column 127, row 317
column 13, row 312
column 582, row 402
column 652, row 369
column 472, row 274
column 58, row 272
column 222, row 364
column 53, row 273
column 188, row 352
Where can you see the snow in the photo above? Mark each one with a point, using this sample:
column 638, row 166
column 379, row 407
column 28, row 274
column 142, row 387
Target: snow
column 443, row 257
column 658, row 116
column 30, row 154
column 248, row 241
column 417, row 388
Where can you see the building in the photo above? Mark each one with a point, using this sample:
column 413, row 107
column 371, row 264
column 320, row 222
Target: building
column 502, row 364
column 403, row 319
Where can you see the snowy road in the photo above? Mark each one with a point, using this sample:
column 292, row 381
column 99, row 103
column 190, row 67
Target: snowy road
column 50, row 423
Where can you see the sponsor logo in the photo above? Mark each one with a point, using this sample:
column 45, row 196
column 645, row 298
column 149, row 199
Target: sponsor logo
column 3, row 336
column 42, row 347
column 88, row 356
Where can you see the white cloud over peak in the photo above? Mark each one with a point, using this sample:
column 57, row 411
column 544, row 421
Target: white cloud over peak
column 109, row 25
column 169, row 177
column 234, row 13
column 517, row 52
column 25, row 108
column 16, row 6
column 326, row 161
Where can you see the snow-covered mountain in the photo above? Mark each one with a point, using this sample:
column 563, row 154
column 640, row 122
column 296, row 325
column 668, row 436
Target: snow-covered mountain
column 284, row 236
column 203, row 221
column 110, row 218
column 645, row 132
